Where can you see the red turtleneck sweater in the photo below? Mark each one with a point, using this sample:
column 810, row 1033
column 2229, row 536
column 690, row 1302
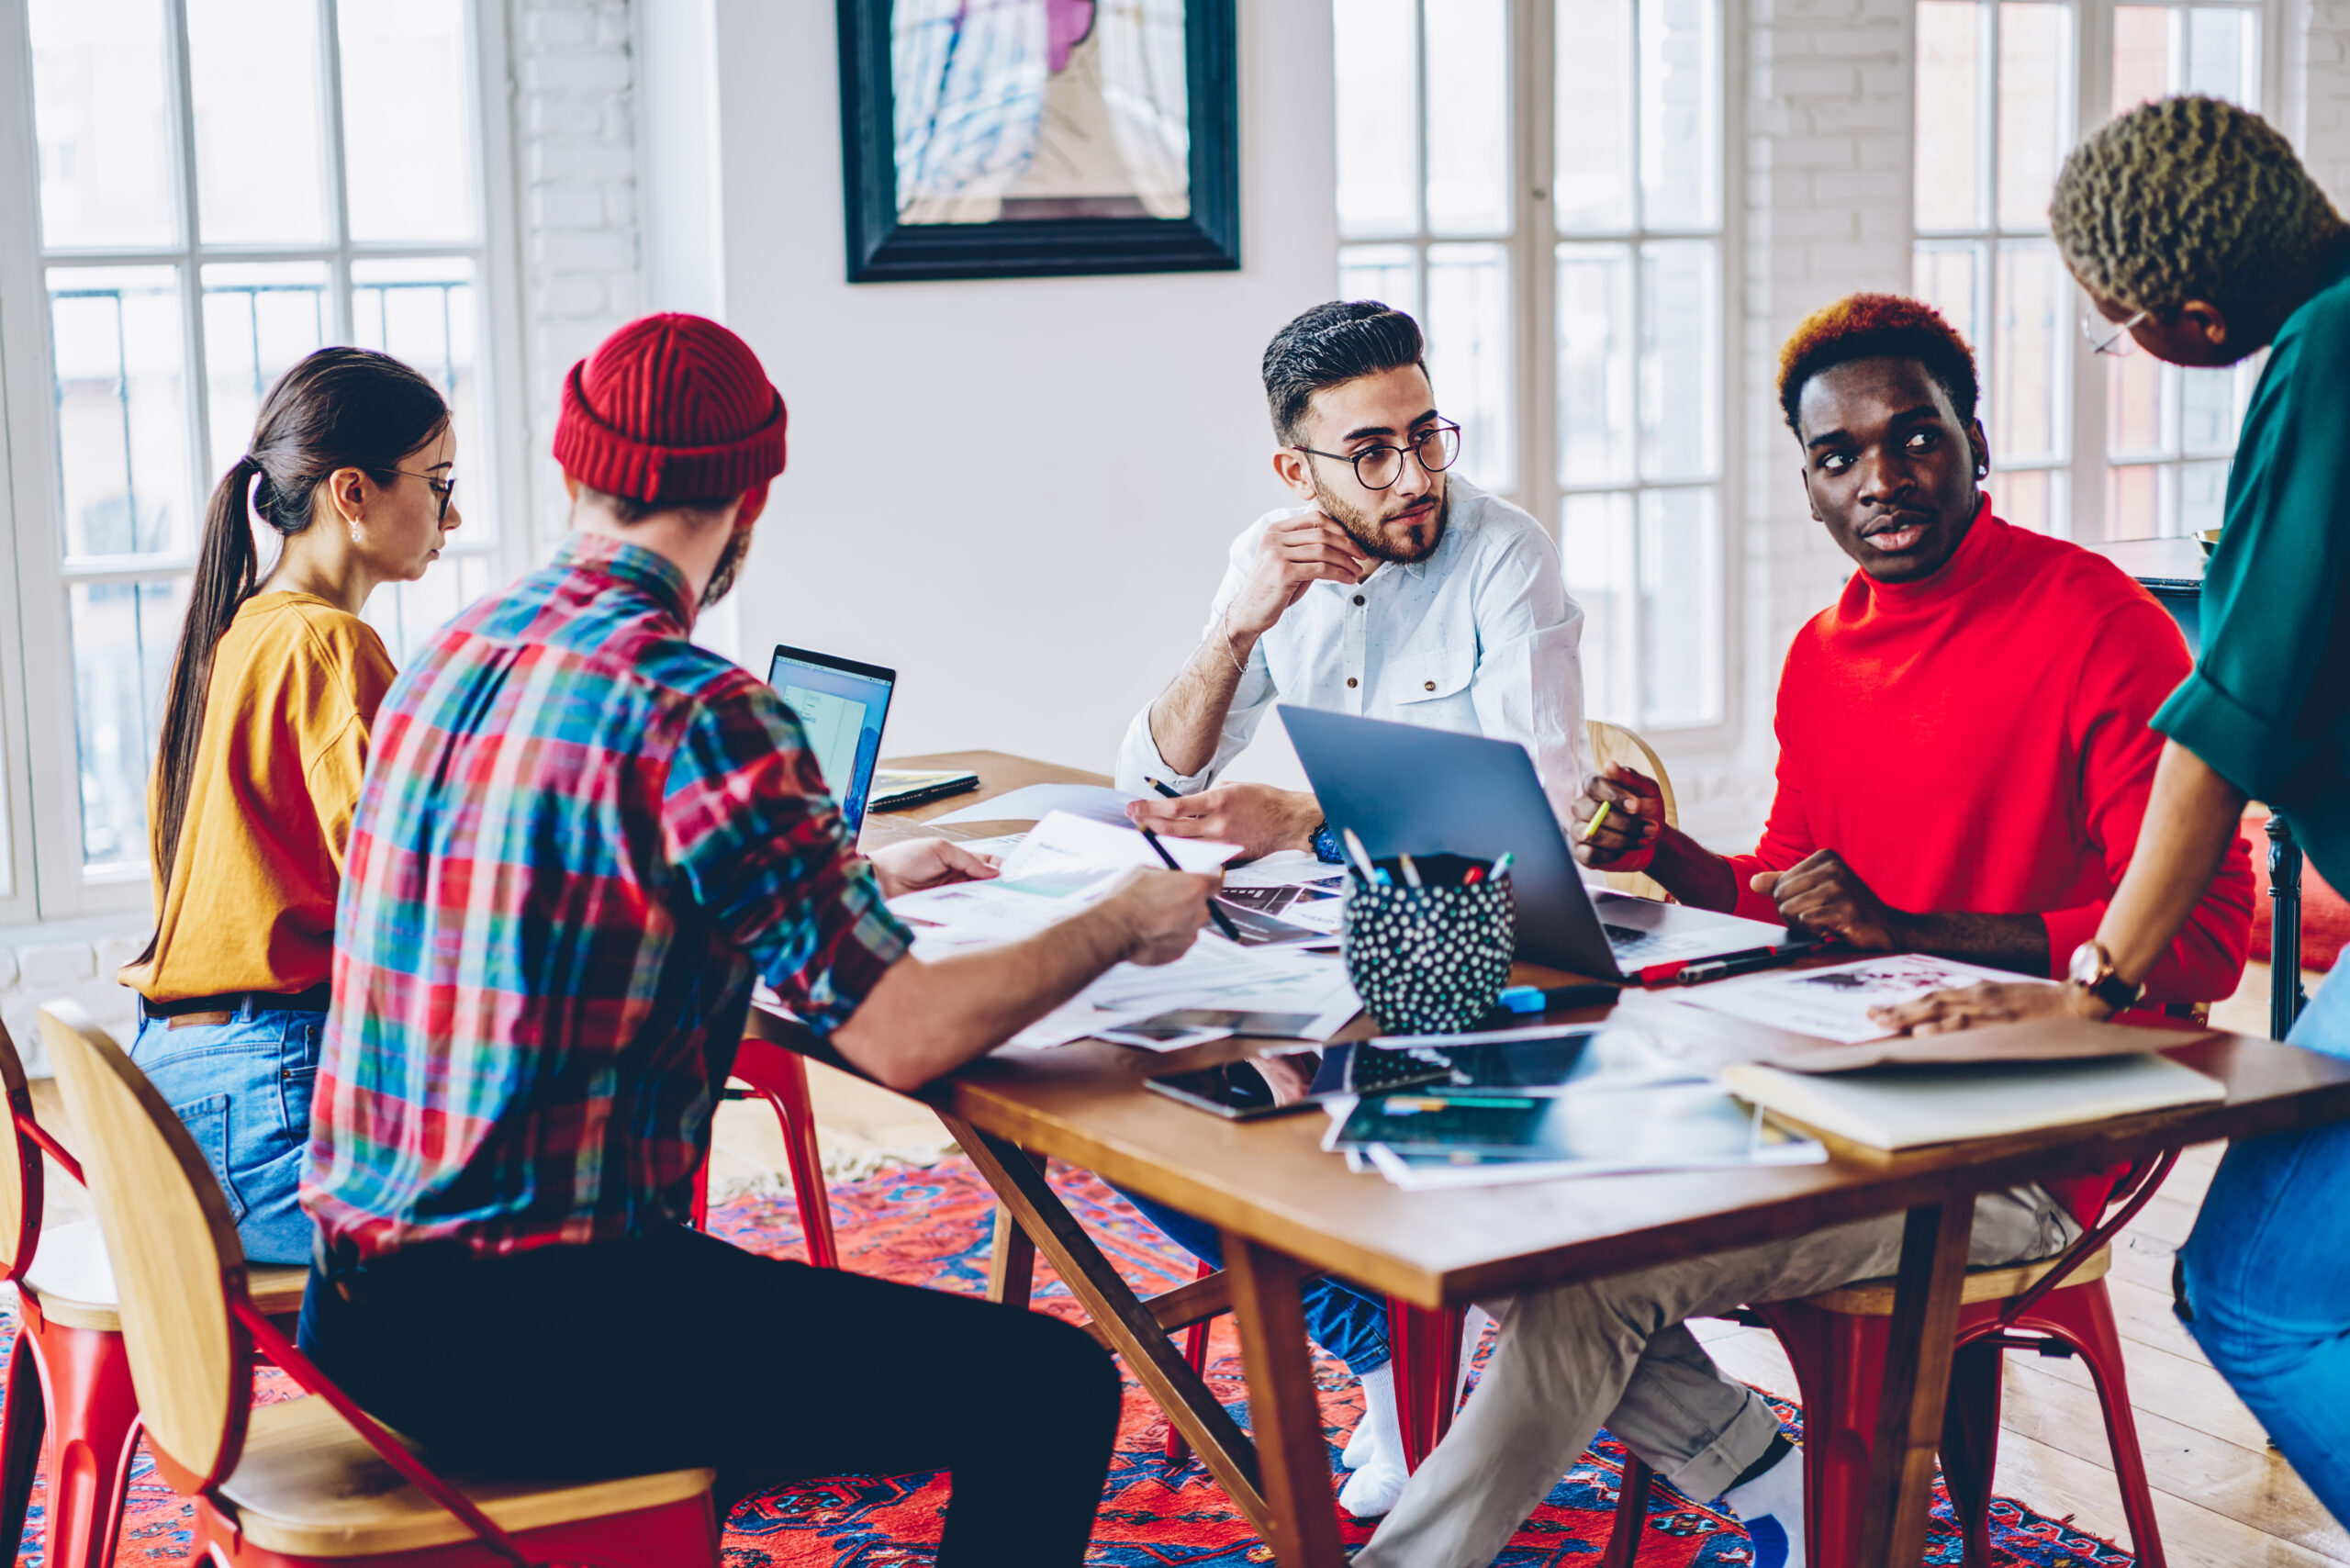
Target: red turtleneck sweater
column 1978, row 742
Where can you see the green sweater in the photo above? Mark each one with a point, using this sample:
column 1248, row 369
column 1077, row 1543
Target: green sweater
column 2268, row 705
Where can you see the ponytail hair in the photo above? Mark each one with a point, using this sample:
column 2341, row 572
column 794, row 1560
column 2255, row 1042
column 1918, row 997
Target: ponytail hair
column 340, row 408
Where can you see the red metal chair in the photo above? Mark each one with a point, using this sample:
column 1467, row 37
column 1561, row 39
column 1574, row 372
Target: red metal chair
column 1838, row 1342
column 315, row 1480
column 780, row 1075
column 68, row 1376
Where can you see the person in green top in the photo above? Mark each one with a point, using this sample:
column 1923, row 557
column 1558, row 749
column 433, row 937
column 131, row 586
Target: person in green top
column 2197, row 235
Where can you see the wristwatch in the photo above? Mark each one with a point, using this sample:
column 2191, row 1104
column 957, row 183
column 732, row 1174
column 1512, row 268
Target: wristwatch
column 1326, row 849
column 2092, row 970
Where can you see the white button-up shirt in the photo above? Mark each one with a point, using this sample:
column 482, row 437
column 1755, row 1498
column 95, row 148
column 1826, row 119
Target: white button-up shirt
column 1480, row 638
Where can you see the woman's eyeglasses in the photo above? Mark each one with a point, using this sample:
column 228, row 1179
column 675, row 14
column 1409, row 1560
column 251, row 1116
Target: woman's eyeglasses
column 442, row 490
column 2104, row 337
column 1378, row 467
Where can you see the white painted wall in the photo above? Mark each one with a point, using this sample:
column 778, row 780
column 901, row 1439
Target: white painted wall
column 1019, row 492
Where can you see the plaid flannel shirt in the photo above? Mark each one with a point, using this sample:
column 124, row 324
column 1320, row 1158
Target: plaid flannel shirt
column 579, row 836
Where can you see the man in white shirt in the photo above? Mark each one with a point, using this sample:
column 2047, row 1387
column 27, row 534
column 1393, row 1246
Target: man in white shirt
column 1397, row 590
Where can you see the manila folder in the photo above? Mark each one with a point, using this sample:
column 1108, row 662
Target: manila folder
column 1911, row 1108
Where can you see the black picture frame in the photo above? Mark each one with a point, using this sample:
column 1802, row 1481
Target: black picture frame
column 882, row 249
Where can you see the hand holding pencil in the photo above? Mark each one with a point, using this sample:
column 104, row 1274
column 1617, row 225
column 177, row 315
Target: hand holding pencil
column 1619, row 816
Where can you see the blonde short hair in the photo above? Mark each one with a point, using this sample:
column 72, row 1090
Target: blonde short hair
column 2190, row 198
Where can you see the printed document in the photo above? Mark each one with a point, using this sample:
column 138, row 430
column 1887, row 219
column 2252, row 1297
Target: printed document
column 1833, row 1003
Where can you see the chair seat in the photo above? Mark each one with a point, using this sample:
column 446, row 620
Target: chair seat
column 1873, row 1298
column 74, row 1280
column 309, row 1486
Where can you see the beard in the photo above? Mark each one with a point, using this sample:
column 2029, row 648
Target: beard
column 730, row 565
column 1368, row 531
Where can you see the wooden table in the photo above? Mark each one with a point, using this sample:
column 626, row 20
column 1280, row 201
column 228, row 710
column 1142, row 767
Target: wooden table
column 1288, row 1210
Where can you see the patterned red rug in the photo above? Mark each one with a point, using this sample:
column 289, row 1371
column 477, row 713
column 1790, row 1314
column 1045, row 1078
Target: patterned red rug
column 932, row 1227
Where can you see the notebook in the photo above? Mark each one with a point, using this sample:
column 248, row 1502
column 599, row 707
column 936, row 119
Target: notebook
column 1914, row 1106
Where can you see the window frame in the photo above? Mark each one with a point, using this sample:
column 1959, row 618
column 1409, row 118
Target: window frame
column 2084, row 469
column 38, row 718
column 1531, row 246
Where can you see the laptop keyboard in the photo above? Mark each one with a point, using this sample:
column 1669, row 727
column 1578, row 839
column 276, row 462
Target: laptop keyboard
column 1628, row 943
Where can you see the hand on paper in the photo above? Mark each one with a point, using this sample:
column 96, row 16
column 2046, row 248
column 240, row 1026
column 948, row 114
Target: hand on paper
column 1291, row 555
column 1823, row 894
column 912, row 864
column 1635, row 806
column 1162, row 912
column 1945, row 1012
column 1257, row 817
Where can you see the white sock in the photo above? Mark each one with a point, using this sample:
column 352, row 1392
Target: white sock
column 1380, row 1433
column 1473, row 1328
column 1771, row 1506
column 1370, row 1492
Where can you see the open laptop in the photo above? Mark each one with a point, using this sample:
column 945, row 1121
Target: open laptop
column 841, row 705
column 1409, row 790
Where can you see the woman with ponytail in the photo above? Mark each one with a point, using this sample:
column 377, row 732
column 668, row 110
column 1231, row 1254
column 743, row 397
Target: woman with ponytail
column 273, row 693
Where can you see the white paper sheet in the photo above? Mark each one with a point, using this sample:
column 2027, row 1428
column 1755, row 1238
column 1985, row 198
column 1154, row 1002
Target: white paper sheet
column 1833, row 1003
column 1065, row 855
column 1034, row 801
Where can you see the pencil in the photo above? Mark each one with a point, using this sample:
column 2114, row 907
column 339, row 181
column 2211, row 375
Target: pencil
column 1167, row 791
column 1597, row 817
column 1223, row 921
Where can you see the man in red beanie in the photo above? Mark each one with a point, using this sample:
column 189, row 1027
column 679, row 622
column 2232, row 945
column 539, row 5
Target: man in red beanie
column 581, row 840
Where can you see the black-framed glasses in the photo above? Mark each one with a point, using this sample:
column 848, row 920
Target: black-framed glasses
column 1378, row 467
column 442, row 490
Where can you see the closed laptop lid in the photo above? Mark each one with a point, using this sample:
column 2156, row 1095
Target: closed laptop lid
column 841, row 704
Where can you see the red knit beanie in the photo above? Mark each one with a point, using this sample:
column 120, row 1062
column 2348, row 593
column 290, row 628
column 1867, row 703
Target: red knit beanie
column 671, row 409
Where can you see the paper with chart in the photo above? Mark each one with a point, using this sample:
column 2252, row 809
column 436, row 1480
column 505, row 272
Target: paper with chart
column 1833, row 1003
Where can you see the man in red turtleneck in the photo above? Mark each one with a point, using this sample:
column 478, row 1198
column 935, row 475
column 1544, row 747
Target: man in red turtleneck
column 1964, row 761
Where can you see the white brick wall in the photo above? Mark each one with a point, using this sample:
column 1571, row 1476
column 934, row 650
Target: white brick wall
column 2315, row 100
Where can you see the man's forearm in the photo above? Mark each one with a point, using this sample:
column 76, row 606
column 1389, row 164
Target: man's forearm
column 1692, row 873
column 924, row 1020
column 1188, row 719
column 2018, row 941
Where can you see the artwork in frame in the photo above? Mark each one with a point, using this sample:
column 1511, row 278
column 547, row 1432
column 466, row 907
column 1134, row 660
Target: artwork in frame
column 1039, row 138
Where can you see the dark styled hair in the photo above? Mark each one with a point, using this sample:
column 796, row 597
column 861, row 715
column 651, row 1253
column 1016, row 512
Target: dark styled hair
column 1877, row 325
column 1332, row 344
column 340, row 408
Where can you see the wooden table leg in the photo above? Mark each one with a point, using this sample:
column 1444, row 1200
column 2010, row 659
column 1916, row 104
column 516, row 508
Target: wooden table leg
column 1916, row 1383
column 1123, row 1318
column 1285, row 1406
column 1012, row 1263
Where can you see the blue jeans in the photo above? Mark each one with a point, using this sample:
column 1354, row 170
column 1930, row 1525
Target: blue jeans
column 243, row 1089
column 1345, row 1320
column 2267, row 1276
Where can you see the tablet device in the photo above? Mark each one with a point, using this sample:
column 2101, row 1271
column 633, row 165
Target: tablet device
column 1291, row 1080
column 840, row 704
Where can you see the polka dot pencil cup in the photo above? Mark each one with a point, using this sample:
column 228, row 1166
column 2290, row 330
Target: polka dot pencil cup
column 1430, row 959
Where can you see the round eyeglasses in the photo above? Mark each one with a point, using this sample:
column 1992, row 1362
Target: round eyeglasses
column 1378, row 467
column 443, row 489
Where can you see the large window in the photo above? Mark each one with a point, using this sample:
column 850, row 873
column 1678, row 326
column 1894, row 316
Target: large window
column 2089, row 446
column 223, row 185
column 1541, row 184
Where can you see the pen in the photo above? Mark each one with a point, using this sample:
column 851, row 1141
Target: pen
column 1696, row 971
column 1411, row 872
column 1474, row 875
column 1501, row 866
column 1361, row 857
column 1596, row 818
column 1223, row 921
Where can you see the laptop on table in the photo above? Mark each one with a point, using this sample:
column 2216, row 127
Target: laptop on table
column 1409, row 790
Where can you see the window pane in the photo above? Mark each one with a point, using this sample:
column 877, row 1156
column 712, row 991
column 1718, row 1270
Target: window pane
column 1469, row 357
column 1597, row 542
column 2035, row 112
column 1680, row 113
column 102, row 102
column 123, row 640
column 407, row 122
column 2141, row 55
column 1591, row 187
column 1949, row 277
column 1680, row 360
column 1681, row 594
column 2207, row 415
column 1950, row 114
column 424, row 311
column 259, row 318
column 2202, row 496
column 1468, row 143
column 2220, row 56
column 1595, row 365
column 2030, row 499
column 2135, row 386
column 122, row 414
column 260, row 150
column 1377, row 114
column 2032, row 354
column 1389, row 274
column 2133, row 501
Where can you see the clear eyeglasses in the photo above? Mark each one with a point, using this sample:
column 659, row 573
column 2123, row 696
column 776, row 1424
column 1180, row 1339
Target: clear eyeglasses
column 1378, row 467
column 2107, row 337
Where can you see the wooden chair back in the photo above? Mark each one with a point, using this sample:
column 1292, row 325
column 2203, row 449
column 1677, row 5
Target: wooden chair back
column 174, row 1250
column 1614, row 742
column 21, row 1193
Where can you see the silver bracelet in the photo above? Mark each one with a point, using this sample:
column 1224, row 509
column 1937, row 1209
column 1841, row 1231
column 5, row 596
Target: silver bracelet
column 1223, row 627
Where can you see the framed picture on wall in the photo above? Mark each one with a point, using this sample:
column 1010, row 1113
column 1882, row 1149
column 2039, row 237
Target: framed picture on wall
column 1039, row 138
